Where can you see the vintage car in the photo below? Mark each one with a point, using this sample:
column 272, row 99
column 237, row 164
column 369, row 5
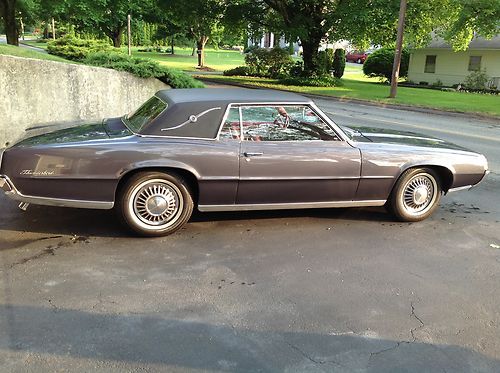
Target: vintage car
column 232, row 149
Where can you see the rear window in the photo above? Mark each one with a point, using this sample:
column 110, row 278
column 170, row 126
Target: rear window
column 145, row 114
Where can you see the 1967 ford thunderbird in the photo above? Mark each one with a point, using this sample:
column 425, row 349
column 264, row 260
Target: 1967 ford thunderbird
column 232, row 149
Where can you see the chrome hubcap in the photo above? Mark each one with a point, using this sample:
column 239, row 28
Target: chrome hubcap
column 156, row 203
column 419, row 194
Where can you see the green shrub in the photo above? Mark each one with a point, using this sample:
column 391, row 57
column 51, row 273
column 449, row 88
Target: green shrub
column 271, row 63
column 238, row 71
column 476, row 80
column 338, row 63
column 143, row 68
column 325, row 61
column 76, row 49
column 297, row 69
column 317, row 81
column 250, row 48
column 379, row 63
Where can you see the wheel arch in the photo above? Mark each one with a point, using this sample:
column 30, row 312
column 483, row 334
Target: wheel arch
column 446, row 175
column 187, row 175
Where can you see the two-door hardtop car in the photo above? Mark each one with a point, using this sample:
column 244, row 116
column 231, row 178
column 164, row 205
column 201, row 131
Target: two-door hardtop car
column 232, row 149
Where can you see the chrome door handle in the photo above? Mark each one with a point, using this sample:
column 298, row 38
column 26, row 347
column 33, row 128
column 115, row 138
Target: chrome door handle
column 251, row 154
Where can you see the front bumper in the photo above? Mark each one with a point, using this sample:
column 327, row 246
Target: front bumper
column 5, row 184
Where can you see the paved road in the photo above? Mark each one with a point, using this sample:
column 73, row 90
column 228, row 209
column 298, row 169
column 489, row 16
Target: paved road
column 296, row 291
column 3, row 40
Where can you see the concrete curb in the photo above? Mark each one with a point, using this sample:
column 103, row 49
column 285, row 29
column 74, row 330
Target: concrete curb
column 369, row 103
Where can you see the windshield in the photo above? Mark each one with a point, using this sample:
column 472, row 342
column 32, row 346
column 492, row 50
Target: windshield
column 145, row 114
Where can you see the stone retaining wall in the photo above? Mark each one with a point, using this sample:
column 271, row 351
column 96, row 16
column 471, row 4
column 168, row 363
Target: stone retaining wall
column 37, row 91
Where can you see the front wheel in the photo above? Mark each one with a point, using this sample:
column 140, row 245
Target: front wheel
column 154, row 203
column 416, row 195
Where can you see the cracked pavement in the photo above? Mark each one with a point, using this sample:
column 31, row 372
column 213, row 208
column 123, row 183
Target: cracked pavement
column 283, row 291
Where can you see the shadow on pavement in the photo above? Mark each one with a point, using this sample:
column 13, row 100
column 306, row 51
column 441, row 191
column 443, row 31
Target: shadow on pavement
column 104, row 223
column 198, row 345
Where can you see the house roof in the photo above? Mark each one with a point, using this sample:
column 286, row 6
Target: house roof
column 476, row 43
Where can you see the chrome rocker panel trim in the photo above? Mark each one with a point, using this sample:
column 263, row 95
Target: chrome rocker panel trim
column 11, row 192
column 286, row 206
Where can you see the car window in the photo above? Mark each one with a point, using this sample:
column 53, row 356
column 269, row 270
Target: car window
column 231, row 127
column 145, row 114
column 284, row 123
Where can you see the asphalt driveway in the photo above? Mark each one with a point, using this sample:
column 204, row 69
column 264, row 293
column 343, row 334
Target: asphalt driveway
column 296, row 291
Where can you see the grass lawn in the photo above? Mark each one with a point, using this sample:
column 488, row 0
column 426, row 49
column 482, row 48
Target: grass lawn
column 372, row 91
column 219, row 60
column 12, row 50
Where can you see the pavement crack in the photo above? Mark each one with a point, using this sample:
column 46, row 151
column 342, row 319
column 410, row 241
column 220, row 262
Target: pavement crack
column 311, row 359
column 54, row 307
column 372, row 354
column 413, row 330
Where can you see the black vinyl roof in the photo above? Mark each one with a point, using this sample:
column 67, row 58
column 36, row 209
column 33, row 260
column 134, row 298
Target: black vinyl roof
column 229, row 95
column 208, row 105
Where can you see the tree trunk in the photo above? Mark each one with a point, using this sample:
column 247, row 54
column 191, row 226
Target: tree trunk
column 200, row 45
column 10, row 23
column 310, row 55
column 173, row 40
column 116, row 36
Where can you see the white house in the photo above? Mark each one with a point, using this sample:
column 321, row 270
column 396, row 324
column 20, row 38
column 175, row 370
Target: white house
column 439, row 63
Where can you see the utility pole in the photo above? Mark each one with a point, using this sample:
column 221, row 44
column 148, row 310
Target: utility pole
column 399, row 47
column 22, row 25
column 128, row 36
column 53, row 29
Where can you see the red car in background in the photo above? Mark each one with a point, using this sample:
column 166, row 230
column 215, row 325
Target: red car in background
column 358, row 57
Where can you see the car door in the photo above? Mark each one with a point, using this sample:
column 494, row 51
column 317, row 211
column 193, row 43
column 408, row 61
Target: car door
column 290, row 155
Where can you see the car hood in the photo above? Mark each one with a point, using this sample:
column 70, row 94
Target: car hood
column 72, row 132
column 382, row 135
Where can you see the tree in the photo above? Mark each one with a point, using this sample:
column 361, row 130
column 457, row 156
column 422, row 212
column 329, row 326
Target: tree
column 200, row 18
column 8, row 13
column 366, row 22
column 473, row 16
column 339, row 63
column 379, row 63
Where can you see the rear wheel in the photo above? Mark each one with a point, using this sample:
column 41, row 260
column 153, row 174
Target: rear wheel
column 155, row 204
column 416, row 195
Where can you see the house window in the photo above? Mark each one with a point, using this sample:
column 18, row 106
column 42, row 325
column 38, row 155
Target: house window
column 474, row 63
column 430, row 64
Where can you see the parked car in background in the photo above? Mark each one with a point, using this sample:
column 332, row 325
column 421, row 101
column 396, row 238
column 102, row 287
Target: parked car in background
column 230, row 150
column 357, row 56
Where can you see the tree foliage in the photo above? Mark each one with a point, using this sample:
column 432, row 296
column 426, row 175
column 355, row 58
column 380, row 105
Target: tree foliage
column 473, row 16
column 366, row 22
